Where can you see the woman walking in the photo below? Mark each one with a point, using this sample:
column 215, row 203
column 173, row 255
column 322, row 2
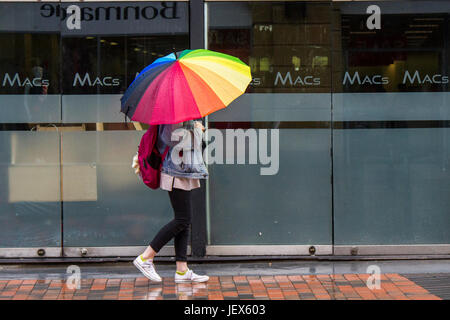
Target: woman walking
column 182, row 168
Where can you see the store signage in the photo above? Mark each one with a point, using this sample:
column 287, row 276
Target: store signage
column 372, row 79
column 97, row 18
column 415, row 78
column 165, row 10
column 288, row 79
column 255, row 82
column 87, row 80
column 16, row 80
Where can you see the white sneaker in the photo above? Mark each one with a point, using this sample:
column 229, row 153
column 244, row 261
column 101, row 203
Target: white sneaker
column 147, row 268
column 190, row 276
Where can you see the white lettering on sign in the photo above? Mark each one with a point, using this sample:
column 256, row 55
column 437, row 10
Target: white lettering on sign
column 287, row 79
column 104, row 82
column 16, row 81
column 255, row 82
column 437, row 78
column 374, row 79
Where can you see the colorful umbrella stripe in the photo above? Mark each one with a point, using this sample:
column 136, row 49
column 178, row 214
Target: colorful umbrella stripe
column 184, row 86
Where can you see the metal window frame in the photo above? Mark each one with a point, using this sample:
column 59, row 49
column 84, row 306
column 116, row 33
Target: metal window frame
column 198, row 226
column 400, row 249
column 117, row 251
column 30, row 252
column 264, row 250
column 82, row 252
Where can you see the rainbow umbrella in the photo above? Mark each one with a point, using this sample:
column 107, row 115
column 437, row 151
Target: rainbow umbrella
column 185, row 85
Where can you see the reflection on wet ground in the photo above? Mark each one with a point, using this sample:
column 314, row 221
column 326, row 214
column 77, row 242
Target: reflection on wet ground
column 311, row 280
column 279, row 287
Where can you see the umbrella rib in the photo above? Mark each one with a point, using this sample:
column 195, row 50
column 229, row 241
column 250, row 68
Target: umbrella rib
column 236, row 74
column 237, row 67
column 229, row 95
column 215, row 104
column 205, row 52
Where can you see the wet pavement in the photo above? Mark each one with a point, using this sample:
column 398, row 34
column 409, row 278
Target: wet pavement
column 309, row 280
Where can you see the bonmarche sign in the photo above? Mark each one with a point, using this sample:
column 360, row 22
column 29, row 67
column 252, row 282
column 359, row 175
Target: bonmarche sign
column 166, row 10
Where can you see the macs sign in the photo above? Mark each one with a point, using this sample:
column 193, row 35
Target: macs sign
column 289, row 80
column 87, row 80
column 165, row 10
column 408, row 78
column 14, row 80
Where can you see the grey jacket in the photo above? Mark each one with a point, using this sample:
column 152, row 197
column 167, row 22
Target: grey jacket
column 184, row 158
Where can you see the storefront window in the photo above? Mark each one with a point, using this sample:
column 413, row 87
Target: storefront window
column 29, row 66
column 61, row 84
column 406, row 54
column 288, row 47
column 391, row 113
column 114, row 44
column 30, row 201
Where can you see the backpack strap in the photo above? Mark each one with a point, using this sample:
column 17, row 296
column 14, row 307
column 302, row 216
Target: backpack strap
column 157, row 137
column 165, row 152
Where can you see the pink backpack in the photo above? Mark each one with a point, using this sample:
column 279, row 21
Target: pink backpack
column 150, row 159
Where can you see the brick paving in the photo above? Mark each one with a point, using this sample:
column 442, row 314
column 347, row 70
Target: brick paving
column 278, row 287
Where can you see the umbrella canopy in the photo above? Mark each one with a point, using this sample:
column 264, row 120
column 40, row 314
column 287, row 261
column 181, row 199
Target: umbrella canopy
column 186, row 85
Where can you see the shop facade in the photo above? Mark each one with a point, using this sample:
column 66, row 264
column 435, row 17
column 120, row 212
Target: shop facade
column 357, row 92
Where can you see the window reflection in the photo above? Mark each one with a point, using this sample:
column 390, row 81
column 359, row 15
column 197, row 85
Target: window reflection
column 286, row 44
column 27, row 65
column 108, row 65
column 51, row 73
column 408, row 53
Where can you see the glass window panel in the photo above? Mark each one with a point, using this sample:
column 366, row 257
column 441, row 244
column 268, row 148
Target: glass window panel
column 391, row 186
column 30, row 204
column 391, row 110
column 113, row 44
column 290, row 207
column 29, row 65
column 104, row 202
column 407, row 54
column 276, row 107
column 288, row 48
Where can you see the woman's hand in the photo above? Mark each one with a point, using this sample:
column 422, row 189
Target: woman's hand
column 135, row 164
column 198, row 124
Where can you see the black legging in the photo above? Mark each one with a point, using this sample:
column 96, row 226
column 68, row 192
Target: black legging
column 178, row 227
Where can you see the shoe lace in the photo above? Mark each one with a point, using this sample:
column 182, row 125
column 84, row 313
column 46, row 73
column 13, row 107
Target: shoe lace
column 148, row 265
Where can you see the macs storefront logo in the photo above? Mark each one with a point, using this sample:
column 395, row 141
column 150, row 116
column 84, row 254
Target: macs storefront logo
column 75, row 14
column 15, row 80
